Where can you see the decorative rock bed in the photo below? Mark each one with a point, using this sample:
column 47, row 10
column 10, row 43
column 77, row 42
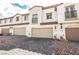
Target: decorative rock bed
column 66, row 48
column 39, row 45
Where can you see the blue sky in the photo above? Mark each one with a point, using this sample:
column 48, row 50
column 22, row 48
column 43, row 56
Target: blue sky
column 7, row 9
column 36, row 2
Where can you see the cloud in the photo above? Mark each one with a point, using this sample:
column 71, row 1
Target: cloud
column 20, row 6
column 7, row 9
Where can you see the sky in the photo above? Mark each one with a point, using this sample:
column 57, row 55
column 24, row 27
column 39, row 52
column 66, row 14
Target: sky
column 36, row 2
column 7, row 9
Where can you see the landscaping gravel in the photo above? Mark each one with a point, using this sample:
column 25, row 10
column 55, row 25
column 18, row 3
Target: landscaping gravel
column 66, row 48
column 39, row 45
column 36, row 46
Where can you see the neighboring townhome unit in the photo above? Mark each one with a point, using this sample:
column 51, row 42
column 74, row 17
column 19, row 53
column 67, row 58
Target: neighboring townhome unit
column 15, row 25
column 59, row 21
column 43, row 21
column 68, row 18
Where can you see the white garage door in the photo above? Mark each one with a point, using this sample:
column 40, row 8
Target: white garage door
column 20, row 31
column 42, row 32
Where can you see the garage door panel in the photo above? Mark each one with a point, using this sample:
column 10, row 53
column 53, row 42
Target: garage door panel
column 72, row 34
column 20, row 31
column 5, row 31
column 42, row 32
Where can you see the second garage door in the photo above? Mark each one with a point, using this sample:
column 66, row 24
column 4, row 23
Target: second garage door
column 5, row 31
column 72, row 34
column 42, row 32
column 20, row 31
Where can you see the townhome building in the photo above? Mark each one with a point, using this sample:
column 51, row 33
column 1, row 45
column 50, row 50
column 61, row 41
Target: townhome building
column 68, row 20
column 60, row 21
column 15, row 25
column 44, row 21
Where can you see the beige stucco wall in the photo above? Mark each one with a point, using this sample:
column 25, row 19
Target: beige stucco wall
column 36, row 10
column 21, row 20
column 67, row 25
column 61, row 19
column 42, row 18
column 16, row 26
column 54, row 15
column 61, row 12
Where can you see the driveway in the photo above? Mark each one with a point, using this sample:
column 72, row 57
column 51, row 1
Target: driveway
column 43, row 46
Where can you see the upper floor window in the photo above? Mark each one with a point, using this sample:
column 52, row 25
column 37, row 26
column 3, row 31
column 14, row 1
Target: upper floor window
column 25, row 18
column 17, row 18
column 5, row 20
column 35, row 18
column 55, row 27
column 0, row 21
column 11, row 19
column 70, row 12
column 49, row 15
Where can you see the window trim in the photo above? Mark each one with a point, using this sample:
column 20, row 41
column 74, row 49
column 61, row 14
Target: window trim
column 0, row 21
column 49, row 16
column 35, row 17
column 17, row 18
column 10, row 20
column 25, row 18
column 68, row 14
column 5, row 20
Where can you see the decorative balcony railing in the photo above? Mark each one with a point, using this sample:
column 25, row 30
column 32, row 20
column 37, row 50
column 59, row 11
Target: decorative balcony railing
column 71, row 14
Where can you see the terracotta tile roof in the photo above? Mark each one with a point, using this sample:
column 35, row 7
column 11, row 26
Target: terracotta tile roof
column 14, row 16
column 35, row 6
column 52, row 6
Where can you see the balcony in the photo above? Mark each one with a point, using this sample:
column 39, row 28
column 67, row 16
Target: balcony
column 71, row 15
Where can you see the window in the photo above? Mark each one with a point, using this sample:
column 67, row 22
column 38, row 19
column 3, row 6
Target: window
column 25, row 18
column 55, row 27
column 5, row 20
column 49, row 15
column 55, row 9
column 10, row 19
column 67, row 9
column 61, row 26
column 70, row 12
column 17, row 18
column 35, row 18
column 0, row 21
